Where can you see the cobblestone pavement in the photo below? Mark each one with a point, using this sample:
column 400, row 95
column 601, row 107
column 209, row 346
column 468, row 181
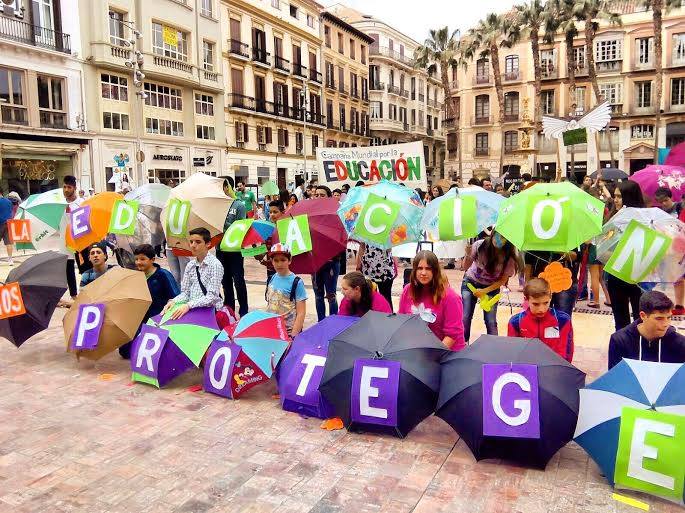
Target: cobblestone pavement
column 78, row 436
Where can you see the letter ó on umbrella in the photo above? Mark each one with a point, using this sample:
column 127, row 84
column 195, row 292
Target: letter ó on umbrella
column 551, row 232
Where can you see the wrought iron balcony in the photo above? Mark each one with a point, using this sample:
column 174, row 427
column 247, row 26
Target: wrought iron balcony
column 237, row 47
column 281, row 64
column 34, row 35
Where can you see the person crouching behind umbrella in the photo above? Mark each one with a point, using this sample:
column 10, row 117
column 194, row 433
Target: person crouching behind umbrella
column 97, row 254
column 429, row 295
column 201, row 283
column 360, row 296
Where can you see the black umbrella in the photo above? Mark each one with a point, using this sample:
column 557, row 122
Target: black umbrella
column 42, row 281
column 403, row 340
column 461, row 398
column 610, row 173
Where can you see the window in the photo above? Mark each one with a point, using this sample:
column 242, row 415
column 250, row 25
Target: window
column 482, row 68
column 376, row 110
column 481, row 144
column 117, row 34
column 579, row 57
column 482, row 106
column 276, row 4
column 204, row 132
column 511, row 141
column 511, row 65
column 341, row 43
column 310, row 21
column 51, row 102
column 299, row 142
column 548, row 63
column 679, row 48
column 114, row 121
column 644, row 50
column 678, row 91
column 642, row 131
column 327, row 35
column 283, row 141
column 547, row 102
column 114, row 87
column 363, row 52
column 12, row 97
column 608, row 50
column 511, row 105
column 204, row 104
column 206, row 8
column 164, row 127
column 643, row 94
column 352, row 49
column 612, row 93
column 208, row 55
column 293, row 11
column 342, row 117
column 241, row 133
column 580, row 101
column 166, row 175
column 179, row 51
column 392, row 111
column 162, row 96
column 315, row 143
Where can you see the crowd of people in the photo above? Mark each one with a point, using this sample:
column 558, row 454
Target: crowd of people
column 642, row 319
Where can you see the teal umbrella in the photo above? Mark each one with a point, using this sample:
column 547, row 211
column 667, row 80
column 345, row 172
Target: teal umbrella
column 44, row 212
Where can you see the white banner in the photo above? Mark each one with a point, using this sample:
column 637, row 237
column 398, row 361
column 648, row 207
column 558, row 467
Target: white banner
column 401, row 163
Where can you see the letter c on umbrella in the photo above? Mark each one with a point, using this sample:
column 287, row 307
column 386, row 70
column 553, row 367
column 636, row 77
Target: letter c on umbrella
column 375, row 229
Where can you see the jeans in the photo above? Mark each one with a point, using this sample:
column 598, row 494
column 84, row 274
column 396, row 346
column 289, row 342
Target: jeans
column 565, row 301
column 325, row 284
column 385, row 290
column 234, row 275
column 469, row 301
column 622, row 296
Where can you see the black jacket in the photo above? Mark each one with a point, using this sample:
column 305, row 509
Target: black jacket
column 625, row 343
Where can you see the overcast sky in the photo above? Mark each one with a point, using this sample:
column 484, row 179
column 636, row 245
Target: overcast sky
column 415, row 18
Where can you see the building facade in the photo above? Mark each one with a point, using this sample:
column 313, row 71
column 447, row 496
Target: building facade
column 405, row 103
column 346, row 77
column 169, row 123
column 44, row 129
column 624, row 57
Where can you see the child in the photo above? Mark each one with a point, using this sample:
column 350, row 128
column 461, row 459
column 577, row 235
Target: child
column 160, row 283
column 97, row 254
column 276, row 210
column 285, row 292
column 553, row 327
column 201, row 283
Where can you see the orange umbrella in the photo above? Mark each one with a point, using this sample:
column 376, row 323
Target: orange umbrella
column 101, row 206
column 126, row 298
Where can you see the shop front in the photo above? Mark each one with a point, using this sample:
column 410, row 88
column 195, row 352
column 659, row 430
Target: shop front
column 206, row 160
column 169, row 165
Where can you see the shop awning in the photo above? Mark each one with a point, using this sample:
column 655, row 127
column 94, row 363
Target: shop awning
column 33, row 151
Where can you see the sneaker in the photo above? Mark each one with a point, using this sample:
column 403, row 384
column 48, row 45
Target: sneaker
column 678, row 310
column 10, row 262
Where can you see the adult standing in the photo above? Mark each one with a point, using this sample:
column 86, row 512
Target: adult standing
column 325, row 280
column 233, row 264
column 6, row 209
column 299, row 188
column 378, row 265
column 73, row 202
column 247, row 197
column 625, row 296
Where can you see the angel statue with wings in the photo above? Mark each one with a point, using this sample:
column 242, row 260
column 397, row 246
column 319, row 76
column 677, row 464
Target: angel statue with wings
column 594, row 121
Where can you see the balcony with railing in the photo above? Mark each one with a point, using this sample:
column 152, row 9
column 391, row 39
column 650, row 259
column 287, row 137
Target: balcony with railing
column 404, row 93
column 342, row 89
column 639, row 63
column 34, row 35
column 240, row 101
column 482, row 80
column 238, row 48
column 511, row 117
column 212, row 76
column 609, row 66
column 50, row 119
column 454, row 85
column 422, row 97
column 281, row 64
column 512, row 76
column 170, row 63
column 376, row 86
column 417, row 128
column 120, row 52
column 449, row 122
column 391, row 54
column 616, row 109
column 393, row 90
column 315, row 75
column 261, row 56
column 354, row 93
column 330, row 83
column 549, row 71
column 433, row 103
column 482, row 152
column 300, row 70
column 485, row 119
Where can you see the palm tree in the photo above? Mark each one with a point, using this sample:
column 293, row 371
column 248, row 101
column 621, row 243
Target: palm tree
column 439, row 53
column 485, row 40
column 659, row 8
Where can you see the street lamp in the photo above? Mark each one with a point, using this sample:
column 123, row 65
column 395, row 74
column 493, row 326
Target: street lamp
column 304, row 97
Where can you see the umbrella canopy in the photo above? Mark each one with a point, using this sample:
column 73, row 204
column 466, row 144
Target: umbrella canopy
column 126, row 298
column 550, row 217
column 406, row 209
column 676, row 156
column 652, row 177
column 610, row 173
column 257, row 235
column 42, row 283
column 402, row 349
column 44, row 211
column 101, row 206
column 672, row 266
column 487, row 207
column 328, row 235
column 269, row 188
column 630, row 390
column 209, row 206
column 252, row 352
column 151, row 198
column 467, row 379
column 300, row 372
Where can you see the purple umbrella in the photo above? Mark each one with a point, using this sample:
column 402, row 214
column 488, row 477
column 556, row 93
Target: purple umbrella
column 652, row 177
column 301, row 370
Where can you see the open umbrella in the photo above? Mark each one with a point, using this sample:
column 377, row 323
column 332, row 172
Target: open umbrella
column 610, row 173
column 148, row 228
column 126, row 298
column 611, row 407
column 400, row 204
column 487, row 388
column 101, row 206
column 248, row 356
column 382, row 374
column 42, row 283
column 676, row 156
column 300, row 372
column 183, row 343
column 256, row 236
column 269, row 188
column 328, row 235
column 44, row 212
column 652, row 177
column 208, row 207
column 550, row 217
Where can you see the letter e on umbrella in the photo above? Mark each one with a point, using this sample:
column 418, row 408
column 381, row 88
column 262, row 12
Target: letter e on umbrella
column 375, row 387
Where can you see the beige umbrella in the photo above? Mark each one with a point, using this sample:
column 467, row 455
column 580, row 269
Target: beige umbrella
column 209, row 206
column 126, row 298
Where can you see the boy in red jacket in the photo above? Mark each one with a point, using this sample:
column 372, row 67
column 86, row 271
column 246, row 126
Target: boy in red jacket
column 538, row 321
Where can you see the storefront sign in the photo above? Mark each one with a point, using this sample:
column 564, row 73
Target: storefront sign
column 198, row 162
column 173, row 158
column 401, row 163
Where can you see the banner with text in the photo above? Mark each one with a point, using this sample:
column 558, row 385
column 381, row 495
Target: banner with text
column 401, row 163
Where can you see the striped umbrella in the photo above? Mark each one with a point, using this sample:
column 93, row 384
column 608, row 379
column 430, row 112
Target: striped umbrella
column 44, row 212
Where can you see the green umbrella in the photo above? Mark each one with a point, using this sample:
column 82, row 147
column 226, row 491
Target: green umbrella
column 44, row 211
column 269, row 188
column 550, row 217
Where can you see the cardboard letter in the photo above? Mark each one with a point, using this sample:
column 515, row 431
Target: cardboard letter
column 124, row 215
column 311, row 361
column 80, row 222
column 638, row 252
column 88, row 325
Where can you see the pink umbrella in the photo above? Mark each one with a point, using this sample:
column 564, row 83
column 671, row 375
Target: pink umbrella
column 652, row 177
column 676, row 157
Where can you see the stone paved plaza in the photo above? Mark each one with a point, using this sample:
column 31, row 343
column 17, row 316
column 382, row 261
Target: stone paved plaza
column 79, row 437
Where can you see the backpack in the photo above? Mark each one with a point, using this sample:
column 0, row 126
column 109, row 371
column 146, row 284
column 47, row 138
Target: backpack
column 293, row 289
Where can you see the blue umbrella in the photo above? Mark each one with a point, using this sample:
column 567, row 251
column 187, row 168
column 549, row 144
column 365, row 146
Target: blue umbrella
column 487, row 207
column 634, row 384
